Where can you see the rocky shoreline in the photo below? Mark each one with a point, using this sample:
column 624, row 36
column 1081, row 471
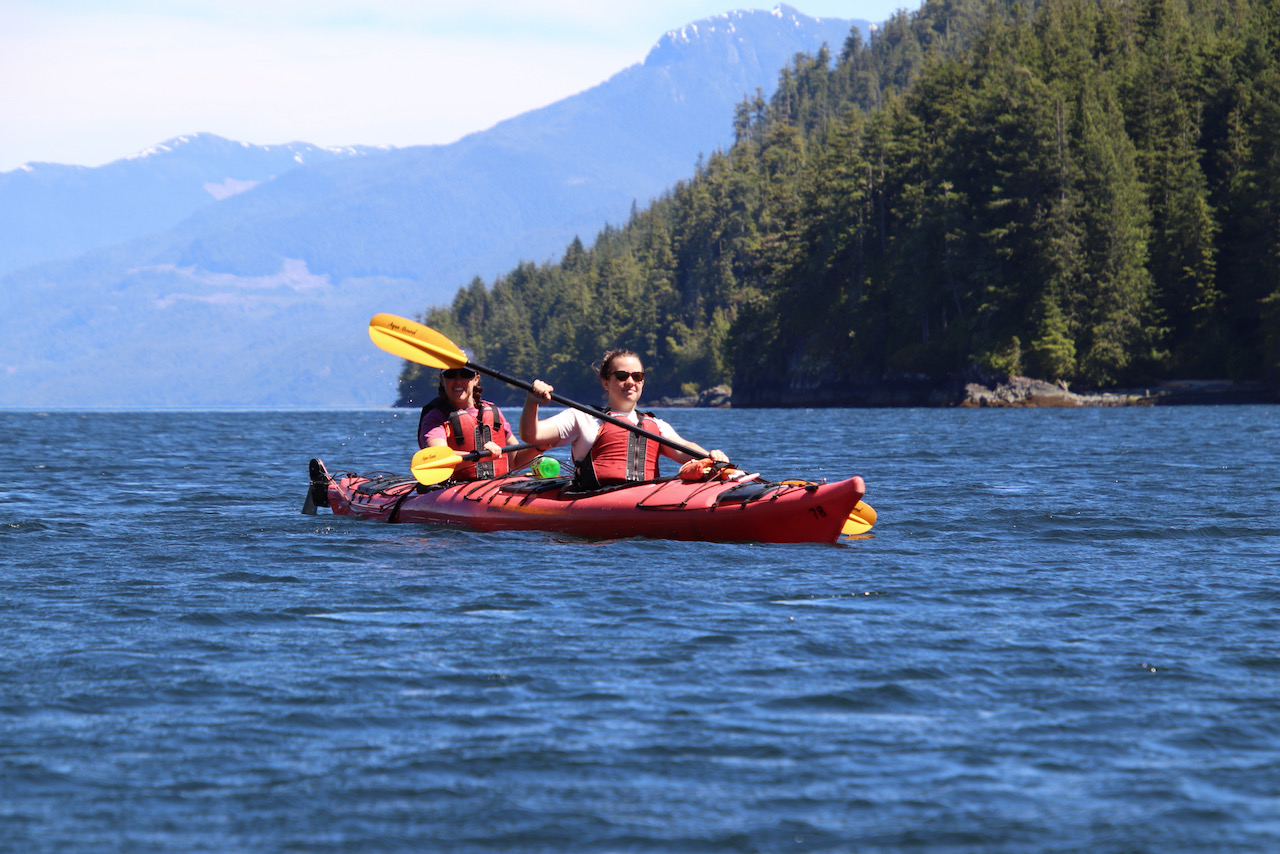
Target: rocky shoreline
column 1025, row 391
column 1015, row 391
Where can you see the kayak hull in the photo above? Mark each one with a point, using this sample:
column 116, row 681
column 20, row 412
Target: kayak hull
column 758, row 511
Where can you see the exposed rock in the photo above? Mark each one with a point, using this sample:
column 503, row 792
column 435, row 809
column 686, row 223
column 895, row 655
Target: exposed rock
column 1025, row 391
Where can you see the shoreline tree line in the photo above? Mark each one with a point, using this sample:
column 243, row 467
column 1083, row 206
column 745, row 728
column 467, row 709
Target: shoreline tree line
column 1085, row 191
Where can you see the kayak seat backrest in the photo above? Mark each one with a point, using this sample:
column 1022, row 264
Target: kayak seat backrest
column 536, row 485
column 744, row 492
column 382, row 482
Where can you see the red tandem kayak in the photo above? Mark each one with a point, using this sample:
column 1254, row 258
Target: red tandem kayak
column 791, row 511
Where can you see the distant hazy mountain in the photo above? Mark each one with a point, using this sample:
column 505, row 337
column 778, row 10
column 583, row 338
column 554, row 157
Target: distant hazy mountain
column 228, row 274
column 50, row 210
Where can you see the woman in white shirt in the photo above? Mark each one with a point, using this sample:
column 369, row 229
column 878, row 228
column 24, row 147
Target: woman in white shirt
column 604, row 453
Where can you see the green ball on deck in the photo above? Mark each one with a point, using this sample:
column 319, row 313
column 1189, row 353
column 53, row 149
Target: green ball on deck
column 546, row 467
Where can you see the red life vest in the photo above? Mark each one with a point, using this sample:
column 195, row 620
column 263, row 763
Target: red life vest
column 465, row 433
column 618, row 455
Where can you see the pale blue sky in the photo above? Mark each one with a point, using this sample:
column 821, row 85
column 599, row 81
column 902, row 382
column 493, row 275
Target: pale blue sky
column 90, row 81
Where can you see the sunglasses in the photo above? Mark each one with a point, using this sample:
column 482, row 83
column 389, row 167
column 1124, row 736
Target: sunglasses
column 458, row 373
column 621, row 376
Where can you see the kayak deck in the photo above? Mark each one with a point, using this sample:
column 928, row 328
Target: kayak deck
column 791, row 511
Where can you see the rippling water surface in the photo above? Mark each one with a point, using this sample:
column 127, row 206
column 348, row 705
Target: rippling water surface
column 1063, row 635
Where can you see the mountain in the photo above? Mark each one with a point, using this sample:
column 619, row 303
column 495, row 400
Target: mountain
column 51, row 210
column 261, row 297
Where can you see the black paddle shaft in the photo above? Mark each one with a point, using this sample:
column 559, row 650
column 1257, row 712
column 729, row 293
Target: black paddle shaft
column 476, row 455
column 595, row 413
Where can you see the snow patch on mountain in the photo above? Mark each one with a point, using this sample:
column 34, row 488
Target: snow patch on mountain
column 228, row 188
column 738, row 24
column 203, row 286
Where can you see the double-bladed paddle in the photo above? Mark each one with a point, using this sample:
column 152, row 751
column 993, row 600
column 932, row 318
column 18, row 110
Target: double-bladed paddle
column 423, row 345
column 435, row 464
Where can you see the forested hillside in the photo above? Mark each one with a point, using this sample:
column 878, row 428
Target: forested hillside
column 1086, row 190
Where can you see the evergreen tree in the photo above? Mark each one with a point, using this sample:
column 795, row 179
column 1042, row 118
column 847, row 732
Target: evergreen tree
column 1115, row 308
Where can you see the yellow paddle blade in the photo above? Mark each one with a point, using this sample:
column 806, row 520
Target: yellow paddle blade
column 853, row 526
column 433, row 465
column 861, row 519
column 410, row 340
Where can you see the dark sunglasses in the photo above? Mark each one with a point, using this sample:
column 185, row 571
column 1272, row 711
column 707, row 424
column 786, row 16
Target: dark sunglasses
column 621, row 376
column 458, row 373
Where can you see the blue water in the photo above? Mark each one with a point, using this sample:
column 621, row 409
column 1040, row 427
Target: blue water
column 1063, row 635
